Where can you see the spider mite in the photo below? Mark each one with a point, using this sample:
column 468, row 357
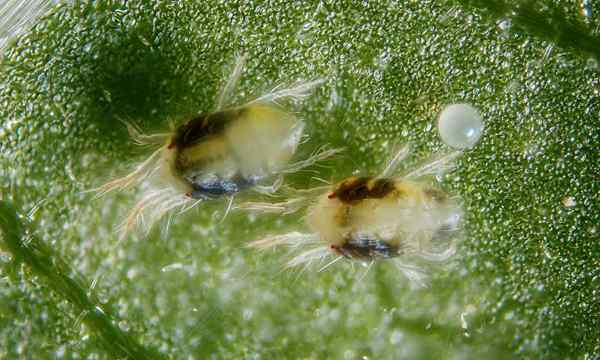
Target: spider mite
column 404, row 219
column 218, row 154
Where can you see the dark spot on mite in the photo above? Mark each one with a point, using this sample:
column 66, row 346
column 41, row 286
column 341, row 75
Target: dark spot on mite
column 356, row 189
column 202, row 126
column 436, row 195
column 365, row 247
column 214, row 187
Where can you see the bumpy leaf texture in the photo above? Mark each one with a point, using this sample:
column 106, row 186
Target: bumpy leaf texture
column 526, row 277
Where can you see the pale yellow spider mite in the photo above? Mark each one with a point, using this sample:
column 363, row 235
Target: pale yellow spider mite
column 401, row 218
column 218, row 154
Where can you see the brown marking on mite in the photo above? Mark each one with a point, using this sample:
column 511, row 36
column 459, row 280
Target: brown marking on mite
column 355, row 189
column 202, row 126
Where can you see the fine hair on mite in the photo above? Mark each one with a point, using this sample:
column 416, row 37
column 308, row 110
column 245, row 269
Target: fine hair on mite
column 400, row 218
column 217, row 154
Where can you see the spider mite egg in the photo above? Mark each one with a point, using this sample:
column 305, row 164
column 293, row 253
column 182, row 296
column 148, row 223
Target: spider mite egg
column 460, row 126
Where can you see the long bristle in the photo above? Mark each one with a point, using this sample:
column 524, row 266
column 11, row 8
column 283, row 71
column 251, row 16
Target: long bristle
column 160, row 211
column 142, row 171
column 139, row 138
column 136, row 214
column 417, row 276
column 309, row 256
column 297, row 92
column 153, row 206
column 435, row 166
column 225, row 94
column 319, row 155
column 286, row 207
column 290, row 239
column 441, row 256
column 392, row 166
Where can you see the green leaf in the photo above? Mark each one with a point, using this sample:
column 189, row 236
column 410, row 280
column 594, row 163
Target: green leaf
column 524, row 282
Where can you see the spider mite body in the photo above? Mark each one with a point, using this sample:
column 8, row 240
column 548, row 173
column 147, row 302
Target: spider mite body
column 369, row 218
column 222, row 153
column 404, row 219
column 218, row 154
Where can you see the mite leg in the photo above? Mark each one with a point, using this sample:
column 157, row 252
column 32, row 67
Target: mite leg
column 292, row 239
column 417, row 276
column 436, row 166
column 297, row 199
column 438, row 257
column 151, row 208
column 139, row 138
column 299, row 91
column 319, row 155
column 286, row 207
column 392, row 166
column 309, row 256
column 157, row 212
column 225, row 95
column 140, row 173
column 269, row 189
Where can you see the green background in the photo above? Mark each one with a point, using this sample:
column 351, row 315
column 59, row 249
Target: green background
column 526, row 280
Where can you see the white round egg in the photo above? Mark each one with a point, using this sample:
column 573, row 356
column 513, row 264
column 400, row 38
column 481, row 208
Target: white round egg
column 460, row 126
